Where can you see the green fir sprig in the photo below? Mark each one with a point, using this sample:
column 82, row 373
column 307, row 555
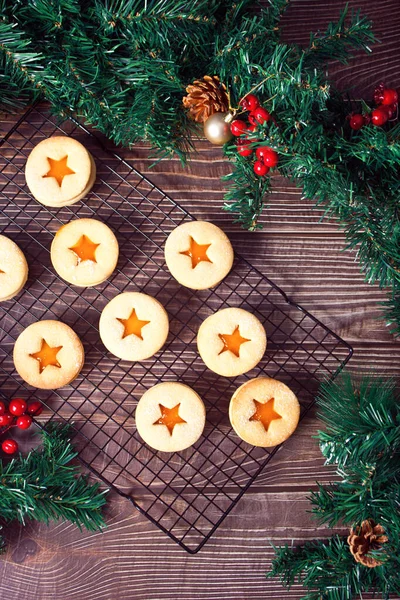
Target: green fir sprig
column 123, row 66
column 362, row 438
column 45, row 485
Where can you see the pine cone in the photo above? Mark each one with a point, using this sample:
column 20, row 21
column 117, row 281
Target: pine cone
column 364, row 538
column 206, row 97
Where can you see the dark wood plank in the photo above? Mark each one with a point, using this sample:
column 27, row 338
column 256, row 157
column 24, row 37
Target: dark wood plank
column 132, row 559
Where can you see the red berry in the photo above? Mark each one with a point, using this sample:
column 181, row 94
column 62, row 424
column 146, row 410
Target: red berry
column 260, row 168
column 6, row 420
column 261, row 115
column 24, row 422
column 390, row 96
column 17, row 407
column 35, row 408
column 9, row 446
column 378, row 93
column 379, row 117
column 356, row 122
column 270, row 158
column 238, row 127
column 252, row 120
column 389, row 110
column 243, row 148
column 261, row 150
column 249, row 102
column 251, row 128
column 2, row 408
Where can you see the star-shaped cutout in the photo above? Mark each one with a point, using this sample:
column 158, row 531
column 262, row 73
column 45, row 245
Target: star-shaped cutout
column 169, row 417
column 232, row 341
column 85, row 249
column 58, row 169
column 197, row 252
column 265, row 413
column 133, row 325
column 47, row 356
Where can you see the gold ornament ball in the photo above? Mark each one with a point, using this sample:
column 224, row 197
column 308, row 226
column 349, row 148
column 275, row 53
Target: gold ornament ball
column 217, row 128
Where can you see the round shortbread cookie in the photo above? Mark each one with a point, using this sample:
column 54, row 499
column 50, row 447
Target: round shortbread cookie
column 264, row 412
column 231, row 341
column 198, row 254
column 84, row 252
column 13, row 269
column 134, row 326
column 50, row 202
column 58, row 170
column 48, row 355
column 170, row 417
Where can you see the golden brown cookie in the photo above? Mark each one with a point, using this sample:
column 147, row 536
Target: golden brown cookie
column 264, row 412
column 84, row 252
column 170, row 417
column 231, row 341
column 134, row 326
column 13, row 269
column 48, row 355
column 198, row 254
column 60, row 171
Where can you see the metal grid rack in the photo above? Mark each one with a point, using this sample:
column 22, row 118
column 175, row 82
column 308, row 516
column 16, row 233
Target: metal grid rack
column 186, row 494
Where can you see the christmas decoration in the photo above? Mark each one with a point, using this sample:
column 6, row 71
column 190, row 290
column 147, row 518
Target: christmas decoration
column 45, row 486
column 362, row 438
column 243, row 148
column 364, row 539
column 82, row 62
column 9, row 446
column 239, row 127
column 379, row 117
column 249, row 102
column 206, row 97
column 260, row 168
column 15, row 415
column 17, row 407
column 356, row 121
column 217, row 128
column 24, row 422
column 35, row 408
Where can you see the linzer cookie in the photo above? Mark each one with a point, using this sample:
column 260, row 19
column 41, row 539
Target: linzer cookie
column 198, row 254
column 134, row 326
column 170, row 417
column 60, row 171
column 48, row 355
column 84, row 252
column 264, row 412
column 231, row 341
column 13, row 269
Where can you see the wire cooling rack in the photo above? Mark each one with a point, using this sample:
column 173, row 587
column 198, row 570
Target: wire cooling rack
column 186, row 494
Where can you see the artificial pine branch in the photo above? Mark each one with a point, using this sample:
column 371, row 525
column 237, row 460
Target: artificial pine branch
column 123, row 67
column 45, row 486
column 362, row 437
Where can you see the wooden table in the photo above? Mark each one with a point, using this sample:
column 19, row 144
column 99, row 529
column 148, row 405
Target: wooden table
column 134, row 560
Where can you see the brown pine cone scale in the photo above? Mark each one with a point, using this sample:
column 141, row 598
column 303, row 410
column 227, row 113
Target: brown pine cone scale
column 205, row 97
column 363, row 539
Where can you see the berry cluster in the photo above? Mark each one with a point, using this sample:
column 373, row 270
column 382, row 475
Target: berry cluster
column 386, row 100
column 19, row 414
column 267, row 158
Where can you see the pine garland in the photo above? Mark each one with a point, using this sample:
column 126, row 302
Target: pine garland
column 123, row 66
column 362, row 438
column 45, row 486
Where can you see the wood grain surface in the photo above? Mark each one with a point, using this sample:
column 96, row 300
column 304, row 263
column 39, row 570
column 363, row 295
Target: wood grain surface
column 134, row 560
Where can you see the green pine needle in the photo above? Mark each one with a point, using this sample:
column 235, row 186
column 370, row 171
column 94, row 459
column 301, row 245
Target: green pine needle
column 362, row 438
column 123, row 66
column 45, row 485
